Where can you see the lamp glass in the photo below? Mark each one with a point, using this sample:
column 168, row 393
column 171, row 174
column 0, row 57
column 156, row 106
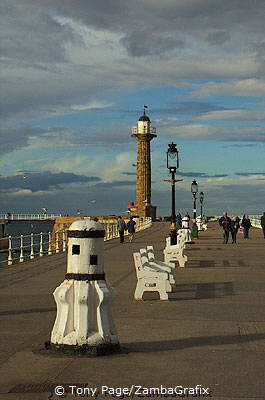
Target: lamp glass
column 194, row 187
column 172, row 154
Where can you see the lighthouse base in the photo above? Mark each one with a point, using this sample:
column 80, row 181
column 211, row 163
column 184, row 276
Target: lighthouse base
column 143, row 211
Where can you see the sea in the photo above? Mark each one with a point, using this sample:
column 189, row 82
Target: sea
column 15, row 229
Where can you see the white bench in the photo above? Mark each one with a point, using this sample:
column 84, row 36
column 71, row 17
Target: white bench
column 184, row 236
column 151, row 257
column 150, row 279
column 153, row 266
column 175, row 252
column 160, row 265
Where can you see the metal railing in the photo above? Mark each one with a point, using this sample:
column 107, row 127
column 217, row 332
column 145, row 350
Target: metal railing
column 135, row 130
column 17, row 249
column 111, row 230
column 255, row 220
column 37, row 217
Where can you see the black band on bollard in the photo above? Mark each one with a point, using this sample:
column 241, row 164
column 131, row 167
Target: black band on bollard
column 85, row 277
column 86, row 234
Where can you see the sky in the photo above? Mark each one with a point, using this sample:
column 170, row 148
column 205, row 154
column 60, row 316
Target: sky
column 75, row 76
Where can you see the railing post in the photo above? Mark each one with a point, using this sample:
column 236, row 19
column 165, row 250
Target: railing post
column 21, row 257
column 64, row 240
column 9, row 260
column 107, row 232
column 50, row 245
column 57, row 249
column 41, row 244
column 31, row 246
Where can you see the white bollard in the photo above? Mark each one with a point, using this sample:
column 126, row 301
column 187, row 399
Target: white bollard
column 185, row 222
column 185, row 225
column 84, row 321
column 199, row 223
column 21, row 257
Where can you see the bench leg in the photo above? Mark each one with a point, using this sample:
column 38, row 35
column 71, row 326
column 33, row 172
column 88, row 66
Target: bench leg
column 163, row 294
column 139, row 291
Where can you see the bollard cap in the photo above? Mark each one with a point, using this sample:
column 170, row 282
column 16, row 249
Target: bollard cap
column 86, row 225
column 86, row 228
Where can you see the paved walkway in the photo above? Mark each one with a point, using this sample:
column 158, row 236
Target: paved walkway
column 211, row 332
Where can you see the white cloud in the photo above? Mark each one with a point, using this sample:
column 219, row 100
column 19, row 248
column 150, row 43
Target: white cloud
column 90, row 106
column 28, row 192
column 211, row 132
column 244, row 87
column 233, row 115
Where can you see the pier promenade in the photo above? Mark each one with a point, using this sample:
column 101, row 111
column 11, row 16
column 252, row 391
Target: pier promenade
column 211, row 332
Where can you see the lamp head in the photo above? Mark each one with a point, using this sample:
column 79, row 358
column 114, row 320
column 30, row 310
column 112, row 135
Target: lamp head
column 172, row 157
column 194, row 187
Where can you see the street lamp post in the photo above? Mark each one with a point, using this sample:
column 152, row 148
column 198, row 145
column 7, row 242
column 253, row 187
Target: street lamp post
column 201, row 201
column 194, row 190
column 194, row 227
column 172, row 165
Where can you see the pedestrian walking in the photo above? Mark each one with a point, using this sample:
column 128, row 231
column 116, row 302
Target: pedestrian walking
column 225, row 223
column 121, row 225
column 262, row 223
column 178, row 221
column 246, row 224
column 234, row 227
column 130, row 227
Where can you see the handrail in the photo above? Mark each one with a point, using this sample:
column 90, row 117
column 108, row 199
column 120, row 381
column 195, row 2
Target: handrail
column 38, row 217
column 255, row 221
column 27, row 247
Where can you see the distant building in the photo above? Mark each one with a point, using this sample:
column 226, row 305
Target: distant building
column 143, row 133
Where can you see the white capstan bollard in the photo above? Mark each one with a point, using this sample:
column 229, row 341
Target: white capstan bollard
column 84, row 321
column 185, row 222
column 185, row 225
column 199, row 223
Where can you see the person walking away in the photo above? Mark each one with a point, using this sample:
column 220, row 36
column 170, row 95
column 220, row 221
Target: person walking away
column 262, row 223
column 225, row 223
column 246, row 225
column 131, row 228
column 234, row 228
column 179, row 221
column 121, row 225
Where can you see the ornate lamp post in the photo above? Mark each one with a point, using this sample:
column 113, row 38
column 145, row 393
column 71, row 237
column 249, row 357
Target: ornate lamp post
column 172, row 165
column 194, row 190
column 201, row 201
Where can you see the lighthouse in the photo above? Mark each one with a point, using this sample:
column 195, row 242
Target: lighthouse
column 143, row 133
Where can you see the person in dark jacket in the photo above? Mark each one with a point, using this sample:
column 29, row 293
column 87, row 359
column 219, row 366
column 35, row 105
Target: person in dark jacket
column 262, row 223
column 246, row 224
column 179, row 221
column 234, row 228
column 131, row 228
column 121, row 225
column 225, row 223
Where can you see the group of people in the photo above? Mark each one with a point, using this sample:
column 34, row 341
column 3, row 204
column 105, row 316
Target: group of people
column 233, row 224
column 122, row 227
